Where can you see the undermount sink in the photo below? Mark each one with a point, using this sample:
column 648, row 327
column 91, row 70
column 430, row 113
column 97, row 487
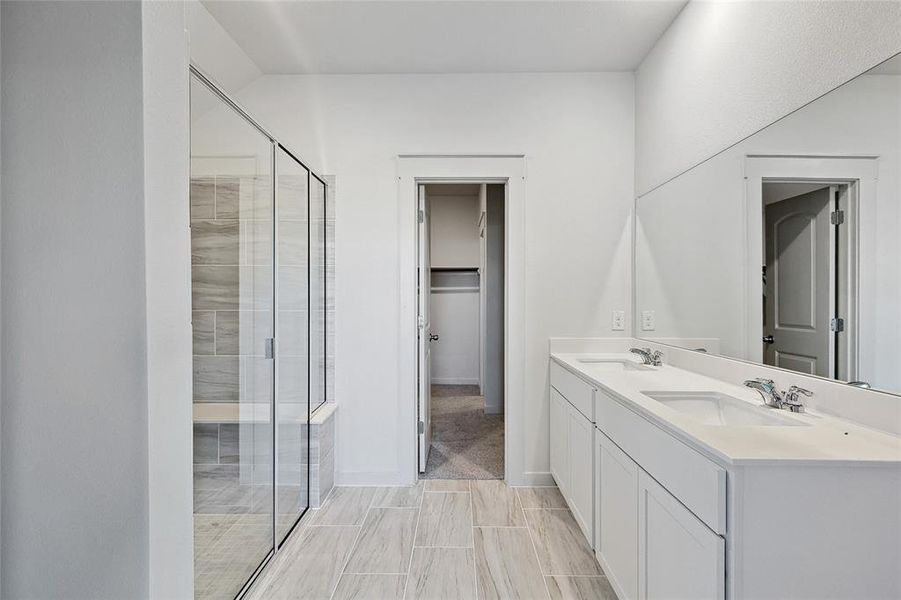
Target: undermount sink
column 613, row 365
column 714, row 408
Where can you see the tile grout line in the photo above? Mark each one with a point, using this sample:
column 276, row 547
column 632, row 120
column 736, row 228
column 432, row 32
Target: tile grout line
column 547, row 590
column 413, row 544
column 472, row 521
column 352, row 548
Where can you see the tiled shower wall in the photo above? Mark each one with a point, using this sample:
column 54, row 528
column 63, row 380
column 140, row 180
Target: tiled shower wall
column 231, row 272
column 231, row 266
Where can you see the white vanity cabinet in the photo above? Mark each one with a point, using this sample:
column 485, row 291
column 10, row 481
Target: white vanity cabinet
column 656, row 504
column 678, row 556
column 572, row 445
column 616, row 517
column 652, row 541
column 581, row 471
column 559, row 418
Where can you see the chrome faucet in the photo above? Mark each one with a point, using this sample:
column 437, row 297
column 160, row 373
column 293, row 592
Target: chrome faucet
column 772, row 397
column 767, row 390
column 793, row 398
column 655, row 358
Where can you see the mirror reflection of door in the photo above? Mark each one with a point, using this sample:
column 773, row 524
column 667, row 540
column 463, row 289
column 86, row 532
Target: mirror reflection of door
column 800, row 288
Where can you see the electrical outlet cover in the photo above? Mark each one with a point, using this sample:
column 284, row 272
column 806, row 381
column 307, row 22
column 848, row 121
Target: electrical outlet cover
column 648, row 322
column 619, row 320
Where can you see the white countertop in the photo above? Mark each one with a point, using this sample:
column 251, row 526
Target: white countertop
column 826, row 441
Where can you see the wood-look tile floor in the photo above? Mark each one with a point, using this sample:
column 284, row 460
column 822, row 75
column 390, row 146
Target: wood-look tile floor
column 439, row 540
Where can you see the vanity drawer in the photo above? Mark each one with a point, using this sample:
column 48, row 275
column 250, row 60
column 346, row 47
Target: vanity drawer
column 696, row 481
column 576, row 391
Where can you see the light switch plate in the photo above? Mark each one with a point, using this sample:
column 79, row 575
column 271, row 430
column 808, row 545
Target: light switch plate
column 619, row 320
column 648, row 322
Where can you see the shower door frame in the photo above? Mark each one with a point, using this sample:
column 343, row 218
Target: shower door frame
column 275, row 146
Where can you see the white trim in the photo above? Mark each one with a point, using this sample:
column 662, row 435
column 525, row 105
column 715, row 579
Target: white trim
column 859, row 171
column 507, row 169
column 167, row 277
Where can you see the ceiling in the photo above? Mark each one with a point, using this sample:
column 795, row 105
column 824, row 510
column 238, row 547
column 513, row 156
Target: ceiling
column 890, row 67
column 440, row 36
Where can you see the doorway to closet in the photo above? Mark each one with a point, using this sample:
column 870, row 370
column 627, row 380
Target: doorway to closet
column 460, row 291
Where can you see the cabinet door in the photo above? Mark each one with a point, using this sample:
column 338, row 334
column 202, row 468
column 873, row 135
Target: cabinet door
column 581, row 470
column 679, row 556
column 618, row 522
column 559, row 441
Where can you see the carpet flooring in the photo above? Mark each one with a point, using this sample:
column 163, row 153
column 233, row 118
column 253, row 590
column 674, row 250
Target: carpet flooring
column 466, row 442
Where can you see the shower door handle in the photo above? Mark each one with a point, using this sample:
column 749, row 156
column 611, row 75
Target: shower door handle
column 433, row 337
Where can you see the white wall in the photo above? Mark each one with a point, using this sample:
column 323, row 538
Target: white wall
column 724, row 70
column 167, row 247
column 691, row 240
column 577, row 132
column 74, row 432
column 455, row 319
column 454, row 243
column 455, row 226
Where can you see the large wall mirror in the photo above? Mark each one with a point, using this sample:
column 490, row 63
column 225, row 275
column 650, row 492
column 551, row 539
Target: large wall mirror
column 785, row 249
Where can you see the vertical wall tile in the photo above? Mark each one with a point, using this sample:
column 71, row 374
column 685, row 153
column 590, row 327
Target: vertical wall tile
column 227, row 323
column 203, row 191
column 202, row 327
column 226, row 197
column 292, row 242
column 214, row 242
column 206, row 443
column 216, row 379
column 214, row 288
column 256, row 243
column 292, row 333
column 228, row 443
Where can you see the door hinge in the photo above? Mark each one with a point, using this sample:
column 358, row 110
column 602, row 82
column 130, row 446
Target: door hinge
column 269, row 348
column 837, row 325
column 837, row 217
column 420, row 322
column 421, row 217
column 421, row 427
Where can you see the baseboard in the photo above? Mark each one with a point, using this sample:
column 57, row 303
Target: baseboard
column 454, row 381
column 537, row 478
column 373, row 478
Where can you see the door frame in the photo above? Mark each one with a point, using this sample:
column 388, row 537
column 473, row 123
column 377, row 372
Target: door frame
column 505, row 169
column 859, row 174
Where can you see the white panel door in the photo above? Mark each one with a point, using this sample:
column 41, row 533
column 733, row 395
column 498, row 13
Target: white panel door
column 581, row 471
column 799, row 292
column 424, row 291
column 618, row 523
column 679, row 557
column 559, row 423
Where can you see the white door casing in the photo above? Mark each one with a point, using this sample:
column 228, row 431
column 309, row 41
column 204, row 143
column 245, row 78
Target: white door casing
column 424, row 322
column 505, row 169
column 800, row 284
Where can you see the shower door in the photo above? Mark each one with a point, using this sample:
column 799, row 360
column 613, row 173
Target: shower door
column 233, row 304
column 292, row 407
column 259, row 325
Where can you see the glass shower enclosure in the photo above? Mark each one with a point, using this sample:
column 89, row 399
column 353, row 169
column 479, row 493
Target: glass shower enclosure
column 258, row 320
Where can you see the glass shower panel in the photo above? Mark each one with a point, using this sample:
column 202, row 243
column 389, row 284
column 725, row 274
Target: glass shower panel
column 317, row 293
column 292, row 335
column 232, row 269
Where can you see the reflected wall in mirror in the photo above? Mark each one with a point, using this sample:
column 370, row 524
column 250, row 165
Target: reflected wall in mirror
column 784, row 249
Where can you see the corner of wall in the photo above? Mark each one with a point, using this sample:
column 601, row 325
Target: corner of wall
column 168, row 300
